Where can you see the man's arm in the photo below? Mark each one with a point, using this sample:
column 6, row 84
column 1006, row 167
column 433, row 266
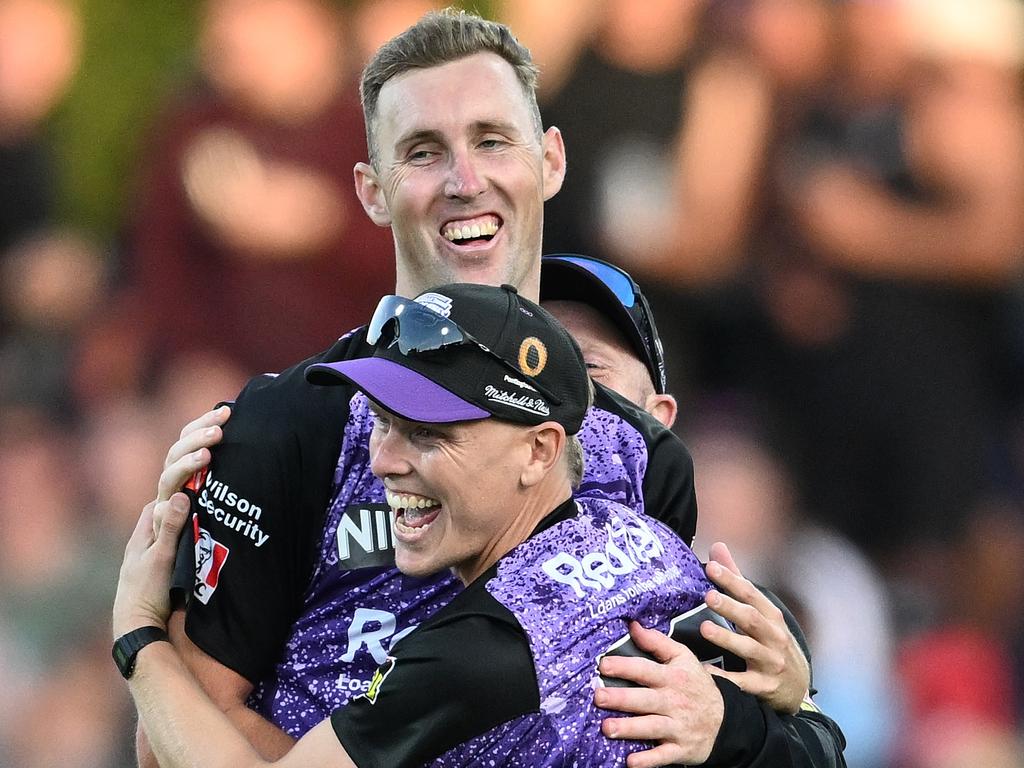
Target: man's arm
column 784, row 728
column 226, row 688
column 185, row 727
column 673, row 709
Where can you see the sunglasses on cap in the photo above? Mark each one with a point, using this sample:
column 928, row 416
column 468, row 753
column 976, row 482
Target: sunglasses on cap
column 624, row 288
column 416, row 329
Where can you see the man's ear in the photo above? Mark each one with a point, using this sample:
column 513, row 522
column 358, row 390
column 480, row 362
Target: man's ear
column 662, row 407
column 554, row 161
column 371, row 194
column 547, row 444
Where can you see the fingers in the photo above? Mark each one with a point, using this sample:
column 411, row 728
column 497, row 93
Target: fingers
column 749, row 649
column 177, row 473
column 144, row 532
column 637, row 670
column 172, row 519
column 190, row 452
column 743, row 603
column 645, row 728
column 720, row 553
column 656, row 643
column 663, row 754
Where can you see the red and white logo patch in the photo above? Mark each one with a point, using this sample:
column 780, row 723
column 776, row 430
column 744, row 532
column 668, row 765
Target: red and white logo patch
column 210, row 557
column 198, row 480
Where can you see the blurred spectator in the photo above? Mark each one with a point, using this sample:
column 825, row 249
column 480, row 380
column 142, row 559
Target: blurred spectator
column 961, row 683
column 40, row 42
column 829, row 199
column 885, row 272
column 75, row 717
column 748, row 499
column 51, row 285
column 248, row 238
column 377, row 21
column 957, row 685
column 622, row 78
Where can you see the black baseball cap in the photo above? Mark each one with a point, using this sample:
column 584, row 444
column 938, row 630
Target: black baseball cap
column 615, row 294
column 464, row 351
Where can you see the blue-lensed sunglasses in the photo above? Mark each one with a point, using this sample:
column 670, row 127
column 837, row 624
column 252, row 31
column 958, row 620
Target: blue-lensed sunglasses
column 628, row 293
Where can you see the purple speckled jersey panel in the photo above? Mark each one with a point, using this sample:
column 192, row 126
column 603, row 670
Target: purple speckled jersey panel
column 616, row 460
column 352, row 616
column 531, row 741
column 573, row 589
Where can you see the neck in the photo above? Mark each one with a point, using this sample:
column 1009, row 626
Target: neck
column 535, row 508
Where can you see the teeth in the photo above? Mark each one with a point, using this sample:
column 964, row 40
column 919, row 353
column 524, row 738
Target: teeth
column 468, row 231
column 409, row 501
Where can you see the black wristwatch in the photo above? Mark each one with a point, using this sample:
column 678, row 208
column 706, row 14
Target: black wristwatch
column 127, row 647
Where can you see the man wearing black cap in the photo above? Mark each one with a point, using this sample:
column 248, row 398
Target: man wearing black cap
column 607, row 314
column 477, row 395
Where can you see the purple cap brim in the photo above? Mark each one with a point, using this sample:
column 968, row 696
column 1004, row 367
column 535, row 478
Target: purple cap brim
column 407, row 393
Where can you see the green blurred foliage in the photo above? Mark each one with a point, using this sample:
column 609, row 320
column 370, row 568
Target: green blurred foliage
column 134, row 53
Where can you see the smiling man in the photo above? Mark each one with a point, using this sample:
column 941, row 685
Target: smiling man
column 479, row 458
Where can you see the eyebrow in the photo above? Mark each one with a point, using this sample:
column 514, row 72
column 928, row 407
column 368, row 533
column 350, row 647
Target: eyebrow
column 430, row 134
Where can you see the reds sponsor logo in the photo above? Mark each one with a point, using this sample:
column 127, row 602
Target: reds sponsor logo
column 629, row 545
column 210, row 557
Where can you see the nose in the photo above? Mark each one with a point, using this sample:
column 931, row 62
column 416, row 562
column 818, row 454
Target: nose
column 464, row 178
column 389, row 453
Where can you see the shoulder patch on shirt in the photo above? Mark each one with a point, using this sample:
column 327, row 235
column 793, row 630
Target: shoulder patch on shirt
column 807, row 705
column 210, row 557
column 378, row 680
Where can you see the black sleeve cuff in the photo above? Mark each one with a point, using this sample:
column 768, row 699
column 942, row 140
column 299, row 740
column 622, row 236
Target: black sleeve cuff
column 742, row 735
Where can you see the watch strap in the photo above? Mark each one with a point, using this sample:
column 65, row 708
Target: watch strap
column 128, row 645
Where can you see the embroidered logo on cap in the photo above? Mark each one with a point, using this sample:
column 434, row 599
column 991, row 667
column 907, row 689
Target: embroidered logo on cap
column 437, row 302
column 533, row 356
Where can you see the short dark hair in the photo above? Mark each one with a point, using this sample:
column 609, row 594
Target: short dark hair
column 441, row 37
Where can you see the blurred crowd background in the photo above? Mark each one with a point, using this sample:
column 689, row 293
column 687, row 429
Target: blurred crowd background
column 823, row 199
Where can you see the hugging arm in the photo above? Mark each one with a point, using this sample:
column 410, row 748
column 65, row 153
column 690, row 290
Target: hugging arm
column 227, row 689
column 697, row 714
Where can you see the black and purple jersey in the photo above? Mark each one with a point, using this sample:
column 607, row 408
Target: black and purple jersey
column 307, row 603
column 505, row 674
column 293, row 581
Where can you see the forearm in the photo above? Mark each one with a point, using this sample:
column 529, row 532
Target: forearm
column 269, row 741
column 804, row 740
column 183, row 727
column 753, row 735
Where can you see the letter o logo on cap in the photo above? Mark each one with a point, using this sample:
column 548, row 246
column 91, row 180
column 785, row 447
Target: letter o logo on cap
column 533, row 356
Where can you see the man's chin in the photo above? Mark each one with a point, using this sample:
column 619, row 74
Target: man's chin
column 415, row 566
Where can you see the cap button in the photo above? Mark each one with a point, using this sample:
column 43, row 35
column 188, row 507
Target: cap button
column 509, row 288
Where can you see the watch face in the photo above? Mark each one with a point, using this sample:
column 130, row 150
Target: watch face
column 121, row 659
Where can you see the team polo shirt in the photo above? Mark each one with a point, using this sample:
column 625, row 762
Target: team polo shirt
column 295, row 585
column 291, row 572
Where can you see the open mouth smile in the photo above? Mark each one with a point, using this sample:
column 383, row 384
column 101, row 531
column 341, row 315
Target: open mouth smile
column 413, row 514
column 473, row 232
